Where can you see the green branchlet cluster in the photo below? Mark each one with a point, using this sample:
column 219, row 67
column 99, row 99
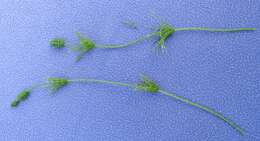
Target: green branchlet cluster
column 57, row 83
column 147, row 85
column 164, row 32
column 85, row 45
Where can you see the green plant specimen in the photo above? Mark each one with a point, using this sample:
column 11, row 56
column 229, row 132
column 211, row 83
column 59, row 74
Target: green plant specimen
column 145, row 85
column 164, row 31
column 57, row 43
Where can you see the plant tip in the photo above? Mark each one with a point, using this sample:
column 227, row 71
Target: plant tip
column 15, row 103
column 57, row 43
column 22, row 96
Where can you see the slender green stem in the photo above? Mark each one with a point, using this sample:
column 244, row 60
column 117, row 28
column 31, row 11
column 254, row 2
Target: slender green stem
column 204, row 108
column 214, row 29
column 102, row 81
column 38, row 86
column 128, row 43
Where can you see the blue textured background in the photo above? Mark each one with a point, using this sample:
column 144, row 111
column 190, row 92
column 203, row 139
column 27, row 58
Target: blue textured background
column 220, row 70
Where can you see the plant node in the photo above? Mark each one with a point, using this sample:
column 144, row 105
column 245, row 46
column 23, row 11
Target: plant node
column 164, row 32
column 57, row 83
column 147, row 85
column 85, row 45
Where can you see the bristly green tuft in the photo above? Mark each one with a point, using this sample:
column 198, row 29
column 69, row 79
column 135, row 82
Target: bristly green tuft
column 85, row 45
column 147, row 85
column 57, row 83
column 57, row 43
column 164, row 32
column 22, row 96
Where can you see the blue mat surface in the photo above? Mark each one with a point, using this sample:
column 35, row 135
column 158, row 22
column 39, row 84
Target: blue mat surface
column 220, row 70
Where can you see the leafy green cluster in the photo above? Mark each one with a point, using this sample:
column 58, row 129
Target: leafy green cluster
column 147, row 85
column 85, row 45
column 164, row 32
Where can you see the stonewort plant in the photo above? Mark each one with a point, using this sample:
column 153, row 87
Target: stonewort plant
column 144, row 85
column 163, row 32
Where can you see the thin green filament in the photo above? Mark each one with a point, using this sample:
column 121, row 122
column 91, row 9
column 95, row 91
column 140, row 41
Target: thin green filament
column 204, row 108
column 140, row 39
column 214, row 29
column 101, row 81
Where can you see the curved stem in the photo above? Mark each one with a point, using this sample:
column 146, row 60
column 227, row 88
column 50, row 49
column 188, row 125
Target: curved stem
column 102, row 81
column 214, row 29
column 129, row 43
column 204, row 108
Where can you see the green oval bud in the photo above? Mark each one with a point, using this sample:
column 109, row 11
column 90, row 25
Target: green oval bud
column 57, row 43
